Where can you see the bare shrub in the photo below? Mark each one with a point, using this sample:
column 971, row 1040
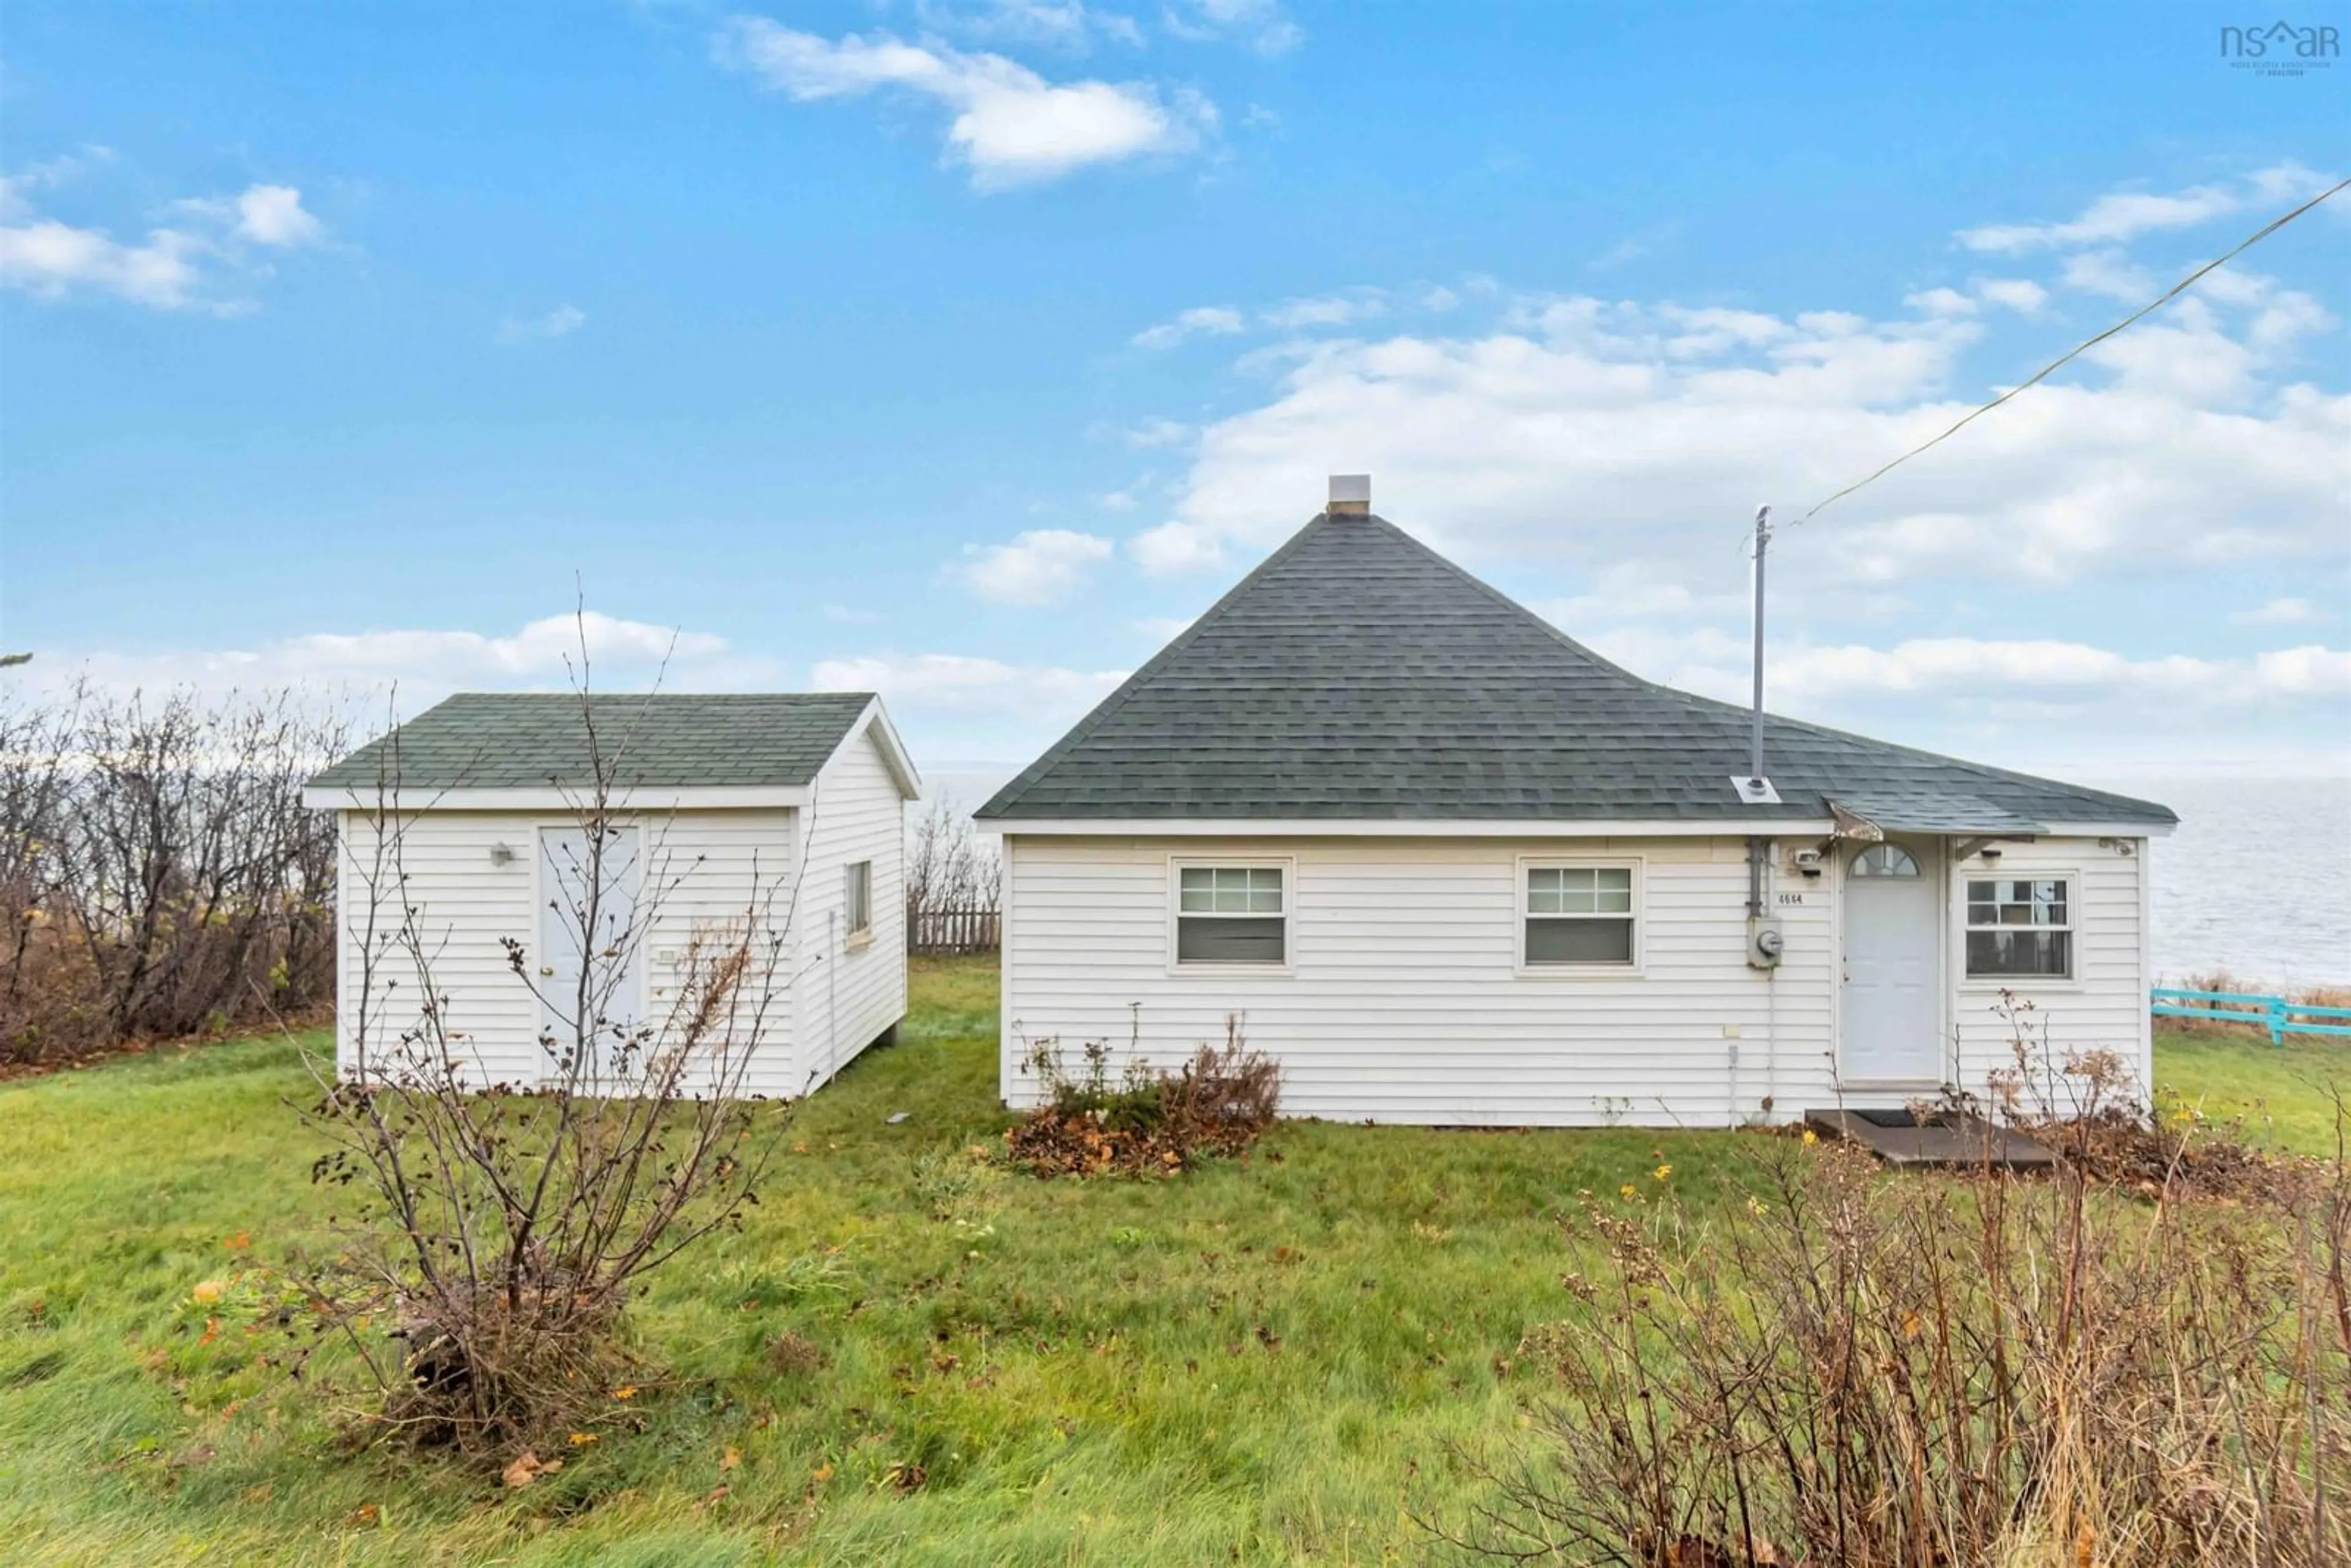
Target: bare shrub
column 1859, row 1369
column 1217, row 1103
column 480, row 1279
column 2089, row 1106
column 159, row 876
column 948, row 867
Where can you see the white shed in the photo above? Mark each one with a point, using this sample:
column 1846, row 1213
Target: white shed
column 779, row 813
column 1451, row 867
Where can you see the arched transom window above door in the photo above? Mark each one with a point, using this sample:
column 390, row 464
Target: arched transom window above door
column 1885, row 860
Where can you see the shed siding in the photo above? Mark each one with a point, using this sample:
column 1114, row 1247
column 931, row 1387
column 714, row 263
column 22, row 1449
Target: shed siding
column 2104, row 1007
column 711, row 867
column 1404, row 1002
column 849, row 997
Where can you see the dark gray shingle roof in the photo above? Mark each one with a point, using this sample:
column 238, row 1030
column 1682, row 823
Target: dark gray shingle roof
column 1357, row 673
column 509, row 740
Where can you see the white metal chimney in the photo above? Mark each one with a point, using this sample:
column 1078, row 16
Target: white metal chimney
column 1351, row 494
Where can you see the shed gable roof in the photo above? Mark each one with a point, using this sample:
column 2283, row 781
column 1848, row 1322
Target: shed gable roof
column 1358, row 675
column 524, row 740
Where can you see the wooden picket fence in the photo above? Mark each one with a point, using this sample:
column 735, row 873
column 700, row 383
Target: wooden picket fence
column 954, row 930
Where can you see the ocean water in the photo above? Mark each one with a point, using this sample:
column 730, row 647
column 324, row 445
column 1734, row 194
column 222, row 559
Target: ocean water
column 2256, row 881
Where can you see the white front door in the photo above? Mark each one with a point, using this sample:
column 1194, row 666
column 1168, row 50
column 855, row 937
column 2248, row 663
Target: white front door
column 1892, row 1024
column 590, row 989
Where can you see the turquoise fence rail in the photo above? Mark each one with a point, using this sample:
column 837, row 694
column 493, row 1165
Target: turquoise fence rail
column 2275, row 1014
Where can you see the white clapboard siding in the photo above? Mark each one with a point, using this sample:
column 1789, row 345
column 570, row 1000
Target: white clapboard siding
column 1402, row 1001
column 2104, row 1006
column 850, row 994
column 703, row 874
column 726, row 875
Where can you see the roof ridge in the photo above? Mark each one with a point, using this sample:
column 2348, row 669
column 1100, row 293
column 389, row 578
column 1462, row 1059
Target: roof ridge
column 1127, row 689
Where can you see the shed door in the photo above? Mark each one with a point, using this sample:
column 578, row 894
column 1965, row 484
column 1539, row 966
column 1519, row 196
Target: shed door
column 1892, row 1024
column 591, row 977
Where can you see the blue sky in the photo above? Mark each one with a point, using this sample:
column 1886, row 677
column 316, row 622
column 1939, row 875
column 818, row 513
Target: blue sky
column 968, row 348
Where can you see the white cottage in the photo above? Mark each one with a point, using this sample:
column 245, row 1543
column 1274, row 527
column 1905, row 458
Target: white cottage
column 783, row 809
column 1452, row 867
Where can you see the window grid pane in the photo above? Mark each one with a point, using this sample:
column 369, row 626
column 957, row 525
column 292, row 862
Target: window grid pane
column 1228, row 890
column 1594, row 890
column 2042, row 904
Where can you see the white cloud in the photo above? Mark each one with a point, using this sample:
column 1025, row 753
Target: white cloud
column 270, row 215
column 957, row 704
column 1639, row 591
column 559, row 322
column 1940, row 302
column 2120, row 216
column 2045, row 677
column 1604, row 433
column 2278, row 613
column 1622, row 251
column 51, row 259
column 1214, row 321
column 1042, row 566
column 1327, row 310
column 1010, row 126
column 1063, row 24
column 1157, row 431
column 1260, row 24
column 173, row 268
column 2019, row 294
column 961, row 682
column 1439, row 298
column 425, row 664
column 849, row 615
column 2112, row 274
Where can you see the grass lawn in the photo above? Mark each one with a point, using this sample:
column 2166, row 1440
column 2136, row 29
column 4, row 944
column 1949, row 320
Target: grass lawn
column 2278, row 1093
column 1262, row 1363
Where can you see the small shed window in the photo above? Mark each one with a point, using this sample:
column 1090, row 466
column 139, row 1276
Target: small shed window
column 1232, row 915
column 1579, row 915
column 857, row 904
column 2021, row 925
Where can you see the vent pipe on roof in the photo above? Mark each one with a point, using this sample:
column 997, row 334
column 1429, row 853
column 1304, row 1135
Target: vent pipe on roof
column 1351, row 496
column 1754, row 786
column 1762, row 543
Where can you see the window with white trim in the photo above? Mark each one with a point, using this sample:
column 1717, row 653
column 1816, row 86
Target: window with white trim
column 1232, row 915
column 2020, row 925
column 1579, row 917
column 858, row 900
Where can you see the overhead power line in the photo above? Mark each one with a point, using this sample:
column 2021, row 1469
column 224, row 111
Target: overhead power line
column 2043, row 374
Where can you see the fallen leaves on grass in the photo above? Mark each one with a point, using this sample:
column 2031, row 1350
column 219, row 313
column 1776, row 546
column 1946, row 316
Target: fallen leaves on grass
column 525, row 1467
column 1216, row 1104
